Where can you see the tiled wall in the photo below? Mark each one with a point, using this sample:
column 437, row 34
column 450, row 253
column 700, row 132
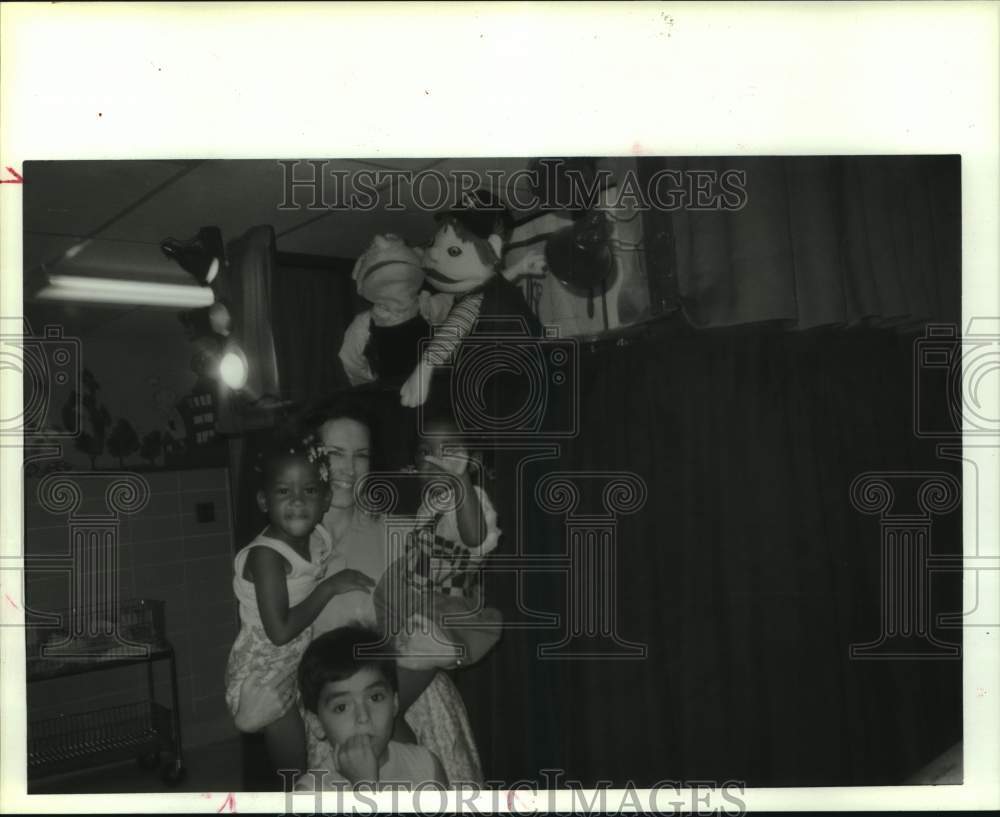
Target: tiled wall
column 164, row 553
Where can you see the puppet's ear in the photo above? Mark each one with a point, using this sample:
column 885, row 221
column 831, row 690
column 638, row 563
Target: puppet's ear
column 496, row 244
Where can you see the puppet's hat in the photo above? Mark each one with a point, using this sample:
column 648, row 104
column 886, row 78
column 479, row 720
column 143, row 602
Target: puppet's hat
column 482, row 214
column 386, row 263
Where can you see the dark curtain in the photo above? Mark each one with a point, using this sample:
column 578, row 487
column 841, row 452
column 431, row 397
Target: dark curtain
column 748, row 574
column 247, row 287
column 313, row 300
column 828, row 240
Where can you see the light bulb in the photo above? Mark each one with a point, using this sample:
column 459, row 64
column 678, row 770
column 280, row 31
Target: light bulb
column 233, row 369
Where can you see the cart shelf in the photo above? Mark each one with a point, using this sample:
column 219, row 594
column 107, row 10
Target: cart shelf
column 87, row 640
column 72, row 742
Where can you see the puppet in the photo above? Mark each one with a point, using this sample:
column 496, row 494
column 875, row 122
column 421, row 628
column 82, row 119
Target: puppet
column 464, row 261
column 382, row 343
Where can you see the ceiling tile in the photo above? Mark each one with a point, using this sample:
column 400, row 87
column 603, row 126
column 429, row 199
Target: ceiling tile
column 75, row 198
column 347, row 234
column 41, row 249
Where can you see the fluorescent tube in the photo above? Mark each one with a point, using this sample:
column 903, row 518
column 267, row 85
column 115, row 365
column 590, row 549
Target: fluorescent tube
column 80, row 288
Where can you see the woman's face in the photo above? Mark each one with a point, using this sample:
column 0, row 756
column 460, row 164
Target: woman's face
column 347, row 444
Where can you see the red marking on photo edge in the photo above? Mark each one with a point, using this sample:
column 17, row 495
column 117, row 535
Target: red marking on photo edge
column 10, row 601
column 18, row 178
column 229, row 801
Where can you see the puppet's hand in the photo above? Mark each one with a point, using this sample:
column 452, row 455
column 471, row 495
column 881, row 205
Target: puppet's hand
column 434, row 307
column 532, row 265
column 262, row 703
column 417, row 386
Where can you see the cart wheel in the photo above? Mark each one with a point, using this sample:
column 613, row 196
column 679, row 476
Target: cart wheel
column 173, row 773
column 149, row 761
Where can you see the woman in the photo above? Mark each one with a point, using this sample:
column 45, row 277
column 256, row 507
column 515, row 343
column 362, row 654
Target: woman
column 432, row 707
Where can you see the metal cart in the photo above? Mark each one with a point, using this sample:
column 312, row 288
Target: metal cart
column 86, row 641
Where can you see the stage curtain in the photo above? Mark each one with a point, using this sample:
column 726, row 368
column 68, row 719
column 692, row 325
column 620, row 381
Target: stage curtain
column 247, row 286
column 820, row 241
column 748, row 573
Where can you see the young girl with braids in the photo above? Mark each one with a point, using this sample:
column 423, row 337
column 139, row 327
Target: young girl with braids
column 281, row 587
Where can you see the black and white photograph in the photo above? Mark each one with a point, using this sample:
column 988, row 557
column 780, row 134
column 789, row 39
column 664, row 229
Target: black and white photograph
column 636, row 471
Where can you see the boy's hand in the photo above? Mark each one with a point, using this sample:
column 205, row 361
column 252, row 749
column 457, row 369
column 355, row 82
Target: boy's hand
column 262, row 703
column 349, row 580
column 355, row 759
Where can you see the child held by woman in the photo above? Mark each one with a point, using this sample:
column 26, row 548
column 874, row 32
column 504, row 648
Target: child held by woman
column 281, row 587
column 430, row 598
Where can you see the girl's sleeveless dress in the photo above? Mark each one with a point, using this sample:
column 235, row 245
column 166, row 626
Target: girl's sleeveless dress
column 254, row 653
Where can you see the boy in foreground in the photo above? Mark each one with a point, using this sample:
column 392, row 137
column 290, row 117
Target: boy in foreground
column 354, row 696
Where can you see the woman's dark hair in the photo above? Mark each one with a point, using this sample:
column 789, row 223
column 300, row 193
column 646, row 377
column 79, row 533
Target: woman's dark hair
column 351, row 406
column 338, row 655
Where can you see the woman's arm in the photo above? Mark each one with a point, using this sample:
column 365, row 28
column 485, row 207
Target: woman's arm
column 281, row 622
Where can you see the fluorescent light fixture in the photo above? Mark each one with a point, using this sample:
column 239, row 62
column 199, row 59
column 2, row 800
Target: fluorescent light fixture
column 84, row 289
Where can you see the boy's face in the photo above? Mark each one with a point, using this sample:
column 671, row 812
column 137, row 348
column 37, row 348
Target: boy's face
column 363, row 704
column 295, row 498
column 453, row 264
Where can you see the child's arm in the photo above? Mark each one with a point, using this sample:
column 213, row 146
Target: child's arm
column 281, row 622
column 469, row 516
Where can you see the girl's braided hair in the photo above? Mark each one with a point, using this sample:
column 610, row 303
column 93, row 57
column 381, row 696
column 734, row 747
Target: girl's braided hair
column 291, row 443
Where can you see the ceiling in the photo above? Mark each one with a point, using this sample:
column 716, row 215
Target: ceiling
column 108, row 217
